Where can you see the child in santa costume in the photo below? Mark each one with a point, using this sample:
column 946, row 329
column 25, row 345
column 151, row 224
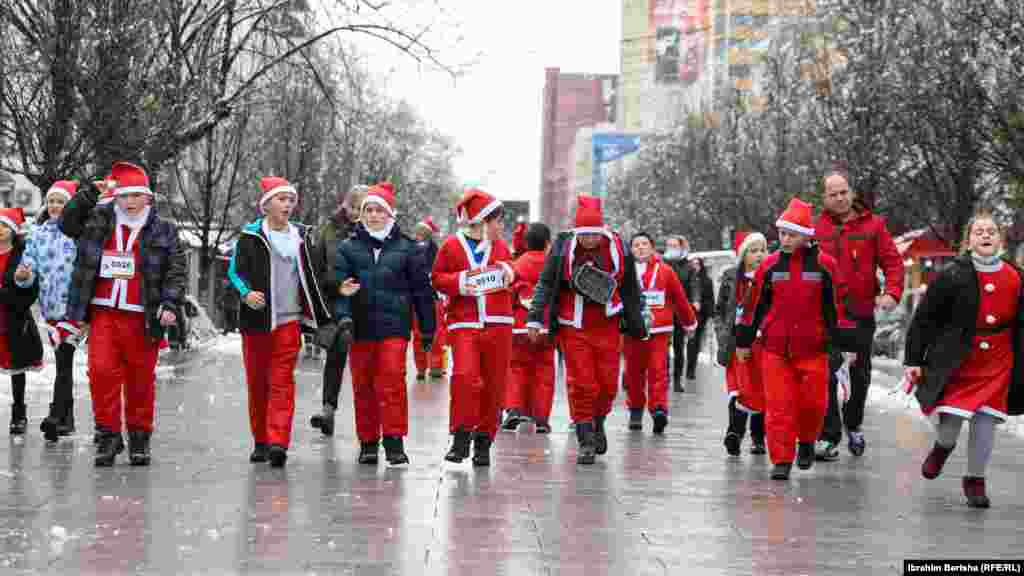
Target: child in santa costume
column 473, row 271
column 273, row 272
column 966, row 337
column 530, row 391
column 436, row 361
column 646, row 373
column 586, row 321
column 51, row 256
column 742, row 379
column 383, row 275
column 793, row 313
column 128, row 285
column 21, row 349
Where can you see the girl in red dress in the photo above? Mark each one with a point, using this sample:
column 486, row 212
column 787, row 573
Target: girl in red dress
column 965, row 331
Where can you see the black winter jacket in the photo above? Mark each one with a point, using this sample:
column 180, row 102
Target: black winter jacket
column 391, row 286
column 250, row 270
column 26, row 347
column 163, row 262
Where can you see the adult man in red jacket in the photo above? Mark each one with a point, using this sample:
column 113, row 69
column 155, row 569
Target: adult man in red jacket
column 860, row 244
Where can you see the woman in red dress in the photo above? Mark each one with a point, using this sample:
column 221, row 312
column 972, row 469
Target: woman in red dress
column 966, row 337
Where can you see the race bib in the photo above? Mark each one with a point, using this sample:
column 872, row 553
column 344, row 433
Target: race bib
column 655, row 298
column 117, row 265
column 486, row 281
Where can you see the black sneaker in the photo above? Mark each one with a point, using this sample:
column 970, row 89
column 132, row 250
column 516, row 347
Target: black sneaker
column 394, row 451
column 368, row 452
column 66, row 425
column 542, row 428
column 259, row 453
column 482, row 450
column 19, row 419
column 855, row 442
column 460, row 446
column 732, row 444
column 110, row 445
column 660, row 421
column 512, row 420
column 600, row 438
column 781, row 471
column 636, row 419
column 805, row 455
column 138, row 448
column 277, row 456
column 757, row 447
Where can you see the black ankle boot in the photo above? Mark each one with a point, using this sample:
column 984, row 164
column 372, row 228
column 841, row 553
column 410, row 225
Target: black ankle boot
column 600, row 438
column 138, row 448
column 481, row 450
column 110, row 444
column 50, row 424
column 781, row 471
column 259, row 453
column 636, row 419
column 324, row 421
column 19, row 419
column 66, row 426
column 277, row 455
column 368, row 452
column 394, row 451
column 586, row 452
column 460, row 446
column 805, row 455
column 660, row 421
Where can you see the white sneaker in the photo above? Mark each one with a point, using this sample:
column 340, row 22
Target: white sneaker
column 826, row 451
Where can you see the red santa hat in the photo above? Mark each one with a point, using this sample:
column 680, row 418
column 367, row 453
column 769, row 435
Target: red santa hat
column 63, row 188
column 589, row 218
column 13, row 218
column 519, row 238
column 744, row 240
column 271, row 186
column 476, row 205
column 127, row 178
column 798, row 218
column 383, row 195
column 428, row 223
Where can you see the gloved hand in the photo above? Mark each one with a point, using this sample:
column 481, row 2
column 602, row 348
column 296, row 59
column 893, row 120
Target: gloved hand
column 345, row 329
column 427, row 342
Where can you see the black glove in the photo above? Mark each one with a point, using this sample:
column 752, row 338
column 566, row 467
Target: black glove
column 345, row 330
column 427, row 342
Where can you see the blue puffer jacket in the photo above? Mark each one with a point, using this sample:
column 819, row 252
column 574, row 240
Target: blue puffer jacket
column 52, row 256
column 391, row 285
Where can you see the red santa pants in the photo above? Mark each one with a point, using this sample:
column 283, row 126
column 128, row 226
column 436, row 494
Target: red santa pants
column 270, row 359
column 647, row 373
column 797, row 398
column 531, row 382
column 591, row 368
column 479, row 370
column 746, row 382
column 122, row 359
column 436, row 357
column 378, row 388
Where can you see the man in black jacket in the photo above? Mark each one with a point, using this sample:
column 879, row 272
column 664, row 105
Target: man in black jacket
column 677, row 249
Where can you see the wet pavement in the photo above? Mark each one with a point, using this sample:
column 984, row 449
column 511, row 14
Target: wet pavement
column 651, row 506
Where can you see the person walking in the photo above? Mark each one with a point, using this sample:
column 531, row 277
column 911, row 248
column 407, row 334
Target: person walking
column 677, row 251
column 21, row 349
column 704, row 291
column 963, row 353
column 434, row 362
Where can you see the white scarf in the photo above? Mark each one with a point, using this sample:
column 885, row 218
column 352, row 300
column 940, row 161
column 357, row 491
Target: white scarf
column 132, row 222
column 384, row 232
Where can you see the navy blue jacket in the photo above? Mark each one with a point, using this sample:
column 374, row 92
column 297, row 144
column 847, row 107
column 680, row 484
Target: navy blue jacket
column 391, row 287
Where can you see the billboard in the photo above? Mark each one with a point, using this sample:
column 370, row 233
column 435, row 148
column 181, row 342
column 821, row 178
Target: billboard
column 607, row 148
column 680, row 32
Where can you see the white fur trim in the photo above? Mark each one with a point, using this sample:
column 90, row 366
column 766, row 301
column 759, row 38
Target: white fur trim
column 508, row 268
column 748, row 241
column 1001, row 416
column 780, row 223
column 374, row 199
column 60, row 191
column 536, row 325
column 591, row 230
column 463, row 289
column 484, row 213
column 10, row 224
column 121, row 191
column 274, row 191
column 743, row 408
column 955, row 411
column 662, row 329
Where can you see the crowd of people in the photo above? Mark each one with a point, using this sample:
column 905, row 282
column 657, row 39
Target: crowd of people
column 788, row 323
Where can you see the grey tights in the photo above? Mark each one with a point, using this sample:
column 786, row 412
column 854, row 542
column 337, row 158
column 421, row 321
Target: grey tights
column 982, row 437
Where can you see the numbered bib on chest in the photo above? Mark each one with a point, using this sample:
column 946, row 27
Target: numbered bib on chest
column 486, row 281
column 655, row 298
column 117, row 265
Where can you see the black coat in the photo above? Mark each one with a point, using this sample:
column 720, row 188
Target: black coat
column 23, row 339
column 942, row 332
column 544, row 309
column 390, row 287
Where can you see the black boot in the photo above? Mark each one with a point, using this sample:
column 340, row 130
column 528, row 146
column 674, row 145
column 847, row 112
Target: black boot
column 394, row 451
column 805, row 455
column 19, row 419
column 259, row 453
column 512, row 421
column 636, row 419
column 50, row 424
column 732, row 443
column 324, row 421
column 781, row 471
column 677, row 384
column 460, row 446
column 585, row 456
column 109, row 446
column 66, row 425
column 368, row 452
column 481, row 450
column 600, row 438
column 277, row 455
column 660, row 421
column 138, row 448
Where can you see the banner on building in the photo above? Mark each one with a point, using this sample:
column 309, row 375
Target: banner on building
column 609, row 147
column 680, row 31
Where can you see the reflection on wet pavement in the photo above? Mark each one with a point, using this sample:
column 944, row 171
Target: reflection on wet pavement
column 651, row 506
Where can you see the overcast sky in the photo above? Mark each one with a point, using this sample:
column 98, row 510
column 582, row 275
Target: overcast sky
column 494, row 111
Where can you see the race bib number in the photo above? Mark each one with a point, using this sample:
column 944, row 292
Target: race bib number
column 117, row 265
column 655, row 298
column 486, row 281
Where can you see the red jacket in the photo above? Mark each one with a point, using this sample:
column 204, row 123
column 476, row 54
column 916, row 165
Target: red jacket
column 860, row 247
column 449, row 277
column 792, row 308
column 527, row 268
column 664, row 294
